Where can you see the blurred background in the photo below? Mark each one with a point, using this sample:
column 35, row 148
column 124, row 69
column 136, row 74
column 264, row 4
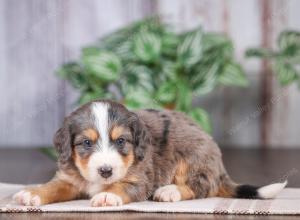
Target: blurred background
column 245, row 102
column 233, row 66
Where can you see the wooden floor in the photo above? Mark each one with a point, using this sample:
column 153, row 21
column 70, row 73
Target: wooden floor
column 245, row 166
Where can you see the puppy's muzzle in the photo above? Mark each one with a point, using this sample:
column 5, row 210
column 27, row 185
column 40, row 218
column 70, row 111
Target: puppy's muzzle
column 105, row 171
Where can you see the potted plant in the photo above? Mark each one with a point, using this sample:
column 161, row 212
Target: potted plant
column 148, row 65
column 285, row 59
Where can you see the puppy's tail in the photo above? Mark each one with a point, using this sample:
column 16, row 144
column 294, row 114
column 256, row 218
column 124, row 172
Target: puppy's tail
column 231, row 189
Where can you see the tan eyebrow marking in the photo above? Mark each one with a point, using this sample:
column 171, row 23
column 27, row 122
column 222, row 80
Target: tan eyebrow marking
column 91, row 134
column 116, row 132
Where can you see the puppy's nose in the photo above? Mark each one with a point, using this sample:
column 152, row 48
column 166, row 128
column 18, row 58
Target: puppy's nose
column 105, row 171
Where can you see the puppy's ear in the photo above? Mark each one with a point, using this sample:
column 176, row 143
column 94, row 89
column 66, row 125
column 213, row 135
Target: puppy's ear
column 62, row 143
column 141, row 137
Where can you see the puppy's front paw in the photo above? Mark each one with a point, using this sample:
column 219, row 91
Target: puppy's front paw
column 106, row 199
column 25, row 197
column 168, row 193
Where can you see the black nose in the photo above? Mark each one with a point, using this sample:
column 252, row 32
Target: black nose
column 105, row 171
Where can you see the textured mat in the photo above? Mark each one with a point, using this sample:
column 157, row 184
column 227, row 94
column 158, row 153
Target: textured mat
column 286, row 203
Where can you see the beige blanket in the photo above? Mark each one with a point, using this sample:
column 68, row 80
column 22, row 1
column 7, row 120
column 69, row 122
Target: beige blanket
column 287, row 203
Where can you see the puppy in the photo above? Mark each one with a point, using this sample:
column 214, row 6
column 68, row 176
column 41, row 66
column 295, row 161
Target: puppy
column 115, row 156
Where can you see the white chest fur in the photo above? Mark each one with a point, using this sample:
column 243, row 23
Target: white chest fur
column 94, row 188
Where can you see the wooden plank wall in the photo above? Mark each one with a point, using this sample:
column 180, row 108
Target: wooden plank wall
column 36, row 36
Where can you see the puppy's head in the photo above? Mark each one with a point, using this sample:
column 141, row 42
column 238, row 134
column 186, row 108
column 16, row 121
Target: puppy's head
column 103, row 139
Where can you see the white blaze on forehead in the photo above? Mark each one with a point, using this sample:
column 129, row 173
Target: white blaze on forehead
column 105, row 154
column 100, row 112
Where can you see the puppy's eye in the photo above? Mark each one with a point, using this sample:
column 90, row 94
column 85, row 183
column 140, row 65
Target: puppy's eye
column 87, row 143
column 120, row 142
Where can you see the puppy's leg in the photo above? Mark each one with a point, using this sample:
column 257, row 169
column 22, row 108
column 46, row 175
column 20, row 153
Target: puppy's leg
column 173, row 193
column 129, row 190
column 54, row 191
column 188, row 183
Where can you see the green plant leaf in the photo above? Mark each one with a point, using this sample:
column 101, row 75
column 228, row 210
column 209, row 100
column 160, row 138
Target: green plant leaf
column 137, row 98
column 285, row 72
column 202, row 118
column 259, row 52
column 212, row 40
column 137, row 76
column 147, row 46
column 184, row 96
column 50, row 152
column 205, row 78
column 115, row 39
column 233, row 75
column 90, row 51
column 125, row 51
column 289, row 41
column 207, row 86
column 169, row 44
column 217, row 45
column 105, row 65
column 89, row 96
column 166, row 92
column 169, row 71
column 75, row 74
column 289, row 44
column 190, row 49
column 286, row 59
